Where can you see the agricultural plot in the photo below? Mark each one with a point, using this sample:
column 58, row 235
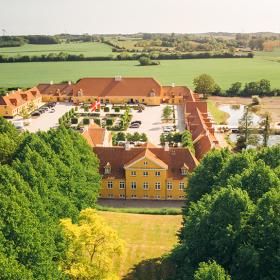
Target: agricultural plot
column 87, row 49
column 146, row 237
column 180, row 72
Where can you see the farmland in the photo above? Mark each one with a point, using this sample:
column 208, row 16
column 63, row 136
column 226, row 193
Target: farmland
column 87, row 49
column 225, row 71
column 146, row 237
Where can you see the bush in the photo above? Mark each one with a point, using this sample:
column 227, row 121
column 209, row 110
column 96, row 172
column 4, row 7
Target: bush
column 97, row 121
column 117, row 109
column 256, row 100
column 106, row 109
column 109, row 122
column 74, row 120
column 86, row 121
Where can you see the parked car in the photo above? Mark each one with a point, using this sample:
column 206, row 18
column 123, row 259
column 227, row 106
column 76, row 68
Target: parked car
column 36, row 113
column 52, row 110
column 139, row 122
column 134, row 125
column 51, row 104
column 168, row 129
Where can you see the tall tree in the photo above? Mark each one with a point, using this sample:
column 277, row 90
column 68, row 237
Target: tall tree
column 204, row 84
column 265, row 128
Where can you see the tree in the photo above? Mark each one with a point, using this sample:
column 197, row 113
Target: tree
column 234, row 89
column 204, row 84
column 24, row 113
column 247, row 134
column 92, row 247
column 166, row 113
column 210, row 271
column 265, row 127
column 187, row 140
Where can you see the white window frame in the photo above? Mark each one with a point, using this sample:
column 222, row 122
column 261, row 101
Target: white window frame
column 169, row 196
column 122, row 196
column 133, row 173
column 133, row 196
column 184, row 171
column 110, row 195
column 145, row 196
column 122, row 185
column 133, row 185
column 109, row 185
column 145, row 185
column 157, row 196
column 145, row 163
column 157, row 186
column 145, row 173
column 181, row 186
column 157, row 173
column 169, row 185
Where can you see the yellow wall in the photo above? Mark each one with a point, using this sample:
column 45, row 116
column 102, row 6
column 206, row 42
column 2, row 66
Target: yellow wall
column 139, row 167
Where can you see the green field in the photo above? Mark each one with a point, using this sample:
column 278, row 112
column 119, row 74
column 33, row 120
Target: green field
column 181, row 72
column 146, row 237
column 87, row 49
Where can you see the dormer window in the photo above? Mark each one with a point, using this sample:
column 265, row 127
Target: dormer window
column 152, row 93
column 107, row 168
column 184, row 170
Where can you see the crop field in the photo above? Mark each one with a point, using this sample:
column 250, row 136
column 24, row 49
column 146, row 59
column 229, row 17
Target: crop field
column 180, row 72
column 87, row 49
column 147, row 237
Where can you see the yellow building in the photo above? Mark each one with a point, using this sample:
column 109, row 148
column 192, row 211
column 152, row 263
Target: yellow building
column 116, row 90
column 15, row 102
column 144, row 172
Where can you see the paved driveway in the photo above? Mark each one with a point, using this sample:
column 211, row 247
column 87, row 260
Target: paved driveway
column 152, row 124
column 48, row 120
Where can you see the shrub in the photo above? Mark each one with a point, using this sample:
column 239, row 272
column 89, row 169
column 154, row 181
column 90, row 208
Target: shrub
column 117, row 109
column 106, row 109
column 74, row 120
column 97, row 121
column 256, row 100
column 86, row 121
column 109, row 122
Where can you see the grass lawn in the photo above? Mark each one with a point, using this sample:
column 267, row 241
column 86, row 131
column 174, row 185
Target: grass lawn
column 181, row 72
column 146, row 237
column 87, row 49
column 219, row 116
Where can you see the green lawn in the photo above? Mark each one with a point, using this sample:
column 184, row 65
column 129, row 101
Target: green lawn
column 146, row 237
column 87, row 49
column 181, row 72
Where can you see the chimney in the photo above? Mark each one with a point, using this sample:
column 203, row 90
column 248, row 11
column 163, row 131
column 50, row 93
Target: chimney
column 166, row 147
column 127, row 146
column 173, row 84
column 118, row 78
column 51, row 82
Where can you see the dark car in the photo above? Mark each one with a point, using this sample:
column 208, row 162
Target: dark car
column 134, row 125
column 36, row 113
column 139, row 122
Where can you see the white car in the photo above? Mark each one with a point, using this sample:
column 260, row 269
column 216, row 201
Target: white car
column 52, row 110
column 168, row 129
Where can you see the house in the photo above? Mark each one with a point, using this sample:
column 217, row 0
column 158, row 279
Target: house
column 146, row 172
column 97, row 136
column 13, row 103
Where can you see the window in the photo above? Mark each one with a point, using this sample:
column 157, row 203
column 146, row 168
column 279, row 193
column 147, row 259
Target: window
column 169, row 197
column 122, row 184
column 181, row 196
column 184, row 171
column 133, row 196
column 157, row 185
column 133, row 173
column 145, row 196
column 133, row 185
column 169, row 185
column 110, row 185
column 145, row 173
column 181, row 185
column 157, row 196
column 122, row 196
column 145, row 185
column 110, row 195
column 145, row 163
column 157, row 173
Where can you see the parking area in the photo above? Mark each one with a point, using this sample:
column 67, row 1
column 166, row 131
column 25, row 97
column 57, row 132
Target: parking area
column 151, row 119
column 48, row 120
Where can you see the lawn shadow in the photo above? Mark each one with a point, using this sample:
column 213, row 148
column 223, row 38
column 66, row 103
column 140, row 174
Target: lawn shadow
column 150, row 269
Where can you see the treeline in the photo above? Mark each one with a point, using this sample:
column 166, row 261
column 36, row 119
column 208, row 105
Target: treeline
column 11, row 41
column 206, row 85
column 44, row 177
column 62, row 56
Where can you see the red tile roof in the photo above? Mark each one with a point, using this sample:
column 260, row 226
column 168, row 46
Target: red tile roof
column 94, row 135
column 118, row 157
column 56, row 89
